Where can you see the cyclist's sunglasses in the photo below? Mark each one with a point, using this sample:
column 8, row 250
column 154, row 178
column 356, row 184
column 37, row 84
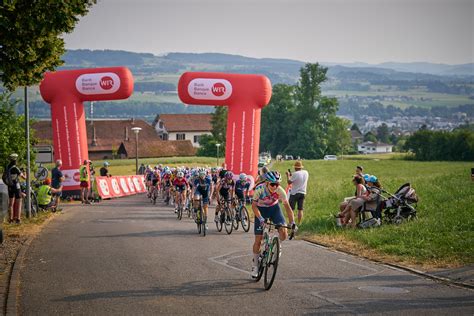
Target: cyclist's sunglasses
column 274, row 184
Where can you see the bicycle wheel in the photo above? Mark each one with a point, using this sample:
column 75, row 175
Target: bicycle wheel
column 180, row 212
column 228, row 221
column 272, row 263
column 235, row 222
column 261, row 267
column 203, row 227
column 245, row 219
column 198, row 220
column 219, row 221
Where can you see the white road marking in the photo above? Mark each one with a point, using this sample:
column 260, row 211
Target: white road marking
column 225, row 261
column 359, row 265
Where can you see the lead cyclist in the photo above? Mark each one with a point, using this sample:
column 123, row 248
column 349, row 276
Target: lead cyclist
column 265, row 205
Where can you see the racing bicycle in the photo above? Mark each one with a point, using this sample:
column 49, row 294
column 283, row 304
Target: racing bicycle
column 199, row 217
column 241, row 215
column 270, row 255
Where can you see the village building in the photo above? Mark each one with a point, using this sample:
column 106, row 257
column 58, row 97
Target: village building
column 183, row 126
column 114, row 139
column 374, row 148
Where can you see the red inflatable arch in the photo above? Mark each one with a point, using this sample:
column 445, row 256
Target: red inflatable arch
column 245, row 96
column 65, row 91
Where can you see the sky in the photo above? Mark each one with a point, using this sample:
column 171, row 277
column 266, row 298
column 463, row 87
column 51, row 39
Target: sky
column 339, row 31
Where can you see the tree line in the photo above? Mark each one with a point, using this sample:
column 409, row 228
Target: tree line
column 428, row 145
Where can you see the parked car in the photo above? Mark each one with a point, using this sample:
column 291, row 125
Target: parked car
column 330, row 157
column 288, row 157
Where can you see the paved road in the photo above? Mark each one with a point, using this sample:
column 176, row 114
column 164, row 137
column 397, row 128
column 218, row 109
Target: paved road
column 128, row 257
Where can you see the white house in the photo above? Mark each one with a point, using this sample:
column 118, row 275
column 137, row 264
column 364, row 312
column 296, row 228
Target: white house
column 374, row 148
column 183, row 126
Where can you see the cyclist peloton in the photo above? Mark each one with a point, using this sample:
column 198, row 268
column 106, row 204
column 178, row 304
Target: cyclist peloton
column 225, row 190
column 202, row 188
column 265, row 205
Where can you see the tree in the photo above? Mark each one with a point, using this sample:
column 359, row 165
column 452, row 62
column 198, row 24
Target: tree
column 31, row 44
column 382, row 133
column 219, row 124
column 355, row 127
column 12, row 131
column 370, row 137
column 207, row 146
column 339, row 137
column 277, row 119
column 313, row 114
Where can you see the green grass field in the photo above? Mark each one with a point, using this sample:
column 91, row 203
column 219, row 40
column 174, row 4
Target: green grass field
column 443, row 235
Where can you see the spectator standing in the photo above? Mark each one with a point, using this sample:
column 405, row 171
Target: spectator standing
column 299, row 183
column 104, row 171
column 57, row 179
column 142, row 169
column 85, row 179
column 14, row 190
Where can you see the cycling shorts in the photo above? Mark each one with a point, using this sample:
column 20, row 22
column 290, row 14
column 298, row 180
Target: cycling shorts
column 180, row 188
column 240, row 194
column 224, row 193
column 205, row 197
column 273, row 213
column 155, row 182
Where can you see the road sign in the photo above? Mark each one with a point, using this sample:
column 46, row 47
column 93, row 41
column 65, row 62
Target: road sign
column 41, row 174
column 44, row 154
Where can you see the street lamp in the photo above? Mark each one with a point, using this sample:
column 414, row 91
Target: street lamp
column 136, row 130
column 217, row 148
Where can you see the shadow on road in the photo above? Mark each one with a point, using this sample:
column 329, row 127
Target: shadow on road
column 206, row 288
column 154, row 233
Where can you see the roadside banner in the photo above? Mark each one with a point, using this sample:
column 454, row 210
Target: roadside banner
column 112, row 187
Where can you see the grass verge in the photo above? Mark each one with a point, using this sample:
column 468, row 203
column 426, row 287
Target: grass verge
column 443, row 235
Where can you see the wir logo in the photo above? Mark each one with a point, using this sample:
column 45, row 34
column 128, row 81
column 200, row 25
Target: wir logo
column 106, row 83
column 218, row 89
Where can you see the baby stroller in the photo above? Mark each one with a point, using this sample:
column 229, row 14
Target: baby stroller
column 400, row 206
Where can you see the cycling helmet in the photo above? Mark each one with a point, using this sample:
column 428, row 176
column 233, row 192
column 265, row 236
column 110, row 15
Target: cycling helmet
column 202, row 174
column 180, row 174
column 214, row 169
column 229, row 175
column 372, row 179
column 168, row 171
column 272, row 176
column 243, row 176
column 106, row 164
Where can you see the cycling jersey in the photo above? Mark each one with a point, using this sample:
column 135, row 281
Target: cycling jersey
column 241, row 185
column 180, row 184
column 265, row 198
column 215, row 178
column 227, row 184
column 203, row 186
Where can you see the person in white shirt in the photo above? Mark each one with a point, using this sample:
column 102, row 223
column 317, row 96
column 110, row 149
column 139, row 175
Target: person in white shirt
column 299, row 182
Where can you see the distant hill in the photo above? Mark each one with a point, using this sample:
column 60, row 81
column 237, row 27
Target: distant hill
column 156, row 79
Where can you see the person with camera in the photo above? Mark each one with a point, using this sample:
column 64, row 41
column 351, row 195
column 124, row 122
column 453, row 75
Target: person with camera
column 299, row 182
